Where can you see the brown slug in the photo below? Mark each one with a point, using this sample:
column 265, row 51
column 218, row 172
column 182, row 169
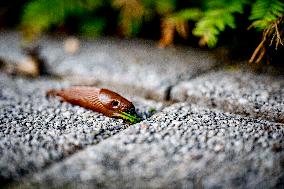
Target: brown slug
column 101, row 100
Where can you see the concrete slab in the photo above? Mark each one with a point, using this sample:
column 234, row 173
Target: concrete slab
column 136, row 64
column 183, row 146
column 36, row 131
column 240, row 92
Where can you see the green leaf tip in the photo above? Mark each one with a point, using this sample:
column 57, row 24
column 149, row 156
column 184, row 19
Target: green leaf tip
column 131, row 118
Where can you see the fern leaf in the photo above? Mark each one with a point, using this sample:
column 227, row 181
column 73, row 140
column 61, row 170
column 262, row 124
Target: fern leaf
column 193, row 14
column 217, row 16
column 210, row 26
column 40, row 15
column 266, row 11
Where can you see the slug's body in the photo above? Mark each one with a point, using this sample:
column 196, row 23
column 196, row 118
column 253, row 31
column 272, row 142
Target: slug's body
column 102, row 100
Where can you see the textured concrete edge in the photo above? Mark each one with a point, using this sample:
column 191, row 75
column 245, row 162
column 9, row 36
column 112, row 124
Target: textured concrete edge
column 242, row 106
column 235, row 108
column 145, row 108
column 37, row 182
column 30, row 180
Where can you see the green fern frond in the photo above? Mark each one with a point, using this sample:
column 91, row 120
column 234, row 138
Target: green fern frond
column 161, row 7
column 217, row 16
column 164, row 6
column 231, row 5
column 266, row 11
column 193, row 14
column 40, row 15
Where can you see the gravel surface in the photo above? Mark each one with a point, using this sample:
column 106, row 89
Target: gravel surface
column 136, row 64
column 36, row 131
column 47, row 143
column 181, row 147
column 258, row 96
column 10, row 46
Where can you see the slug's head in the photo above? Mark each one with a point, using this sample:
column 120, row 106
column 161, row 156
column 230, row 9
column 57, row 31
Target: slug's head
column 117, row 106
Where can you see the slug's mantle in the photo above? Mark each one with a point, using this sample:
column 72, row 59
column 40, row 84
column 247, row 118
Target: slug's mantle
column 100, row 100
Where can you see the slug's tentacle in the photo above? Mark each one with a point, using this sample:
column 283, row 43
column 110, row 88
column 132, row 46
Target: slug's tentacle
column 104, row 101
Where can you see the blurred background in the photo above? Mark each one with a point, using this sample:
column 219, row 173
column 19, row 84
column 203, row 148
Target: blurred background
column 249, row 29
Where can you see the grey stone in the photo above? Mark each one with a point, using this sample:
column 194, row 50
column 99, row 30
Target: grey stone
column 36, row 131
column 184, row 146
column 240, row 92
column 10, row 46
column 137, row 65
